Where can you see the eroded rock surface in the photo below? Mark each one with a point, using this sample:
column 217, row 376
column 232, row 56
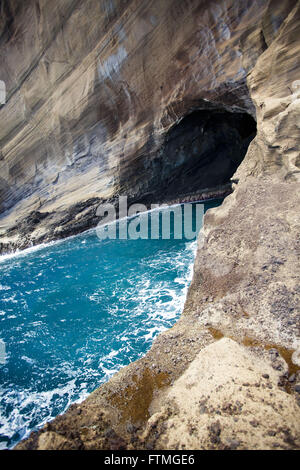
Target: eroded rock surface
column 233, row 403
column 80, row 118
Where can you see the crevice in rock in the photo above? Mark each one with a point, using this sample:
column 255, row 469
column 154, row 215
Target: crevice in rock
column 263, row 40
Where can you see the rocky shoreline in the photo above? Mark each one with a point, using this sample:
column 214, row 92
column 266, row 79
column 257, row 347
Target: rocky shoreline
column 233, row 357
column 237, row 365
column 43, row 227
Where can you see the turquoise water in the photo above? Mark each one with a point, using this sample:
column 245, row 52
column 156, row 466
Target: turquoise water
column 74, row 312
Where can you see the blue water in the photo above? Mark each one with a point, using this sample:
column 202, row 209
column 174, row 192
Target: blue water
column 74, row 312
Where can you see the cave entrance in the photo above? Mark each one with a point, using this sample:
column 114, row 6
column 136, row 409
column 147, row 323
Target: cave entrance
column 203, row 151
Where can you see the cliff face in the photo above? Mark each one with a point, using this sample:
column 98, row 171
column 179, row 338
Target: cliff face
column 102, row 99
column 93, row 89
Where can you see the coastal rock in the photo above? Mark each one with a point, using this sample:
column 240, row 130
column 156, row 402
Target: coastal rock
column 224, row 412
column 86, row 122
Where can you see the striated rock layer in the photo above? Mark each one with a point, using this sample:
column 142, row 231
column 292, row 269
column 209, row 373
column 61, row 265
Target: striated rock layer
column 132, row 97
column 93, row 87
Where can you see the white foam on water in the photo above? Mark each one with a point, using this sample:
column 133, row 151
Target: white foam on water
column 4, row 287
column 28, row 402
column 28, row 360
column 162, row 302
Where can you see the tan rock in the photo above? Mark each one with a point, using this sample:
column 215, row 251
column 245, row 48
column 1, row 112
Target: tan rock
column 222, row 401
column 53, row 441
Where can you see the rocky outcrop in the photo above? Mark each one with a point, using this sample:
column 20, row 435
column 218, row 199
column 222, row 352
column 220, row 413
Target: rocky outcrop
column 89, row 118
column 91, row 121
column 234, row 403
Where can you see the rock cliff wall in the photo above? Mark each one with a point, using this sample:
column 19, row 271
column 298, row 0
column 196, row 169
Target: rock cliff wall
column 93, row 89
column 94, row 92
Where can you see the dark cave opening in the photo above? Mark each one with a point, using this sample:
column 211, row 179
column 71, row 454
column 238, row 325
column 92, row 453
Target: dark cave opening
column 199, row 154
column 204, row 150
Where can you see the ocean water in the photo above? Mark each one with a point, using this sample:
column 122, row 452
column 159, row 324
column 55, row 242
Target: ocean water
column 72, row 313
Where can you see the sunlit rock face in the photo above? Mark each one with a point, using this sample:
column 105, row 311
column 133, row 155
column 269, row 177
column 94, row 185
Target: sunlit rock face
column 93, row 87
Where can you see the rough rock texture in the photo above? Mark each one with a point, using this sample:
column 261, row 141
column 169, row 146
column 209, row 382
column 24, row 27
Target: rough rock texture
column 99, row 115
column 233, row 403
column 246, row 282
